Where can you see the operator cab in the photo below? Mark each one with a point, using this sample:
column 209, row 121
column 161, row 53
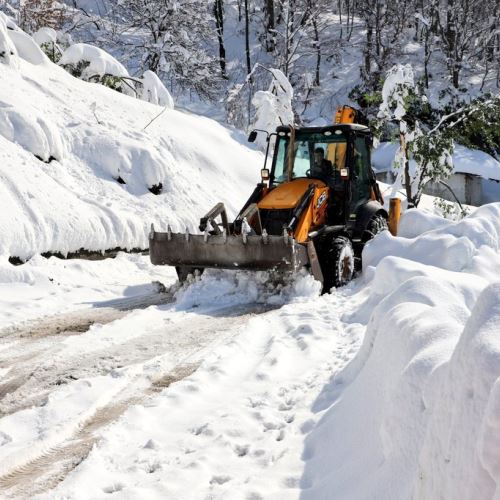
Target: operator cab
column 341, row 144
column 347, row 164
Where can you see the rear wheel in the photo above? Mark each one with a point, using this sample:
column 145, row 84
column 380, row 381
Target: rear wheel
column 338, row 263
column 377, row 224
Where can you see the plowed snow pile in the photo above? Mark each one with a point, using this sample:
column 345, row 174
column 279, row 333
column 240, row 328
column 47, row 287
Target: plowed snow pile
column 64, row 143
column 388, row 388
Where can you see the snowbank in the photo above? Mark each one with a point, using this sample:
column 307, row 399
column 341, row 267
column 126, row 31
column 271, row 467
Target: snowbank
column 415, row 414
column 77, row 168
column 27, row 48
column 36, row 134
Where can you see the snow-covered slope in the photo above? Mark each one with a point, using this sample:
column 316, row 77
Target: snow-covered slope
column 63, row 142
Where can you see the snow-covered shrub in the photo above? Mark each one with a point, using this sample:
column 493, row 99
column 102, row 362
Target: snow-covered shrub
column 93, row 64
column 26, row 47
column 273, row 107
column 8, row 52
column 46, row 38
column 151, row 89
column 126, row 160
column 34, row 133
column 450, row 210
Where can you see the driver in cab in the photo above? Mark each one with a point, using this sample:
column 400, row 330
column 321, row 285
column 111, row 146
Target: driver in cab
column 322, row 169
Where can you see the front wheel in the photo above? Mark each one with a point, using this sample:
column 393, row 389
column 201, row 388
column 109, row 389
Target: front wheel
column 338, row 265
column 184, row 271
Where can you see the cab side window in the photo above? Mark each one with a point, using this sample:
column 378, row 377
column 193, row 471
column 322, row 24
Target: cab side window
column 361, row 167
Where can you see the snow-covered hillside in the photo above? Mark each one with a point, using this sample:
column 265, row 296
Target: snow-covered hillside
column 64, row 143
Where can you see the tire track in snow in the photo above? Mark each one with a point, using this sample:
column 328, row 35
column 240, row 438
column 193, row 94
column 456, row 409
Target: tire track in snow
column 50, row 468
column 76, row 322
column 29, row 343
column 43, row 471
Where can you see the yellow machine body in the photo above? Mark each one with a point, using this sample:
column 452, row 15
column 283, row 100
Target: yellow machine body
column 285, row 226
column 336, row 153
column 288, row 195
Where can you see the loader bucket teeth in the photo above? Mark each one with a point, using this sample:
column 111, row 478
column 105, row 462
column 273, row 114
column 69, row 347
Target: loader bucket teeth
column 257, row 252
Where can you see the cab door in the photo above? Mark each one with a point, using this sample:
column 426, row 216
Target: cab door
column 360, row 172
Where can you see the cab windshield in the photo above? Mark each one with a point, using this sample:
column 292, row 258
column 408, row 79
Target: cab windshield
column 331, row 145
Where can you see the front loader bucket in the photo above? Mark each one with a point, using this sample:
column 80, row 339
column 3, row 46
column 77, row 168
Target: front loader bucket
column 227, row 252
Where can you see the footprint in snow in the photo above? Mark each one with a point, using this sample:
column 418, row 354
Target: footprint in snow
column 113, row 488
column 220, row 479
column 241, row 450
column 202, row 430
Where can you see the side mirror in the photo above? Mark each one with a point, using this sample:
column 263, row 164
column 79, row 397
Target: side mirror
column 264, row 173
column 252, row 136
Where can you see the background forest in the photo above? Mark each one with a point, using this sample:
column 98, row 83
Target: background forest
column 215, row 55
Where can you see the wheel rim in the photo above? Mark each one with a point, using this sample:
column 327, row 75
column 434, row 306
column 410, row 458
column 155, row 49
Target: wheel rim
column 346, row 264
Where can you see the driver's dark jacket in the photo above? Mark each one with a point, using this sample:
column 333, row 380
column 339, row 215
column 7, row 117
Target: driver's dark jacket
column 324, row 171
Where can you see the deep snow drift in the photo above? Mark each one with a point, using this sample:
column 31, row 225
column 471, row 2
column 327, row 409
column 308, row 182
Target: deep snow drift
column 64, row 143
column 415, row 414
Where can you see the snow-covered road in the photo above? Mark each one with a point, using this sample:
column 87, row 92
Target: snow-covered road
column 104, row 360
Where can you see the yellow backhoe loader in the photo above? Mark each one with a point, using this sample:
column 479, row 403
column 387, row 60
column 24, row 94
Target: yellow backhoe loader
column 316, row 207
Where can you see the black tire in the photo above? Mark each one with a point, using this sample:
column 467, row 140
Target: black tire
column 377, row 224
column 338, row 263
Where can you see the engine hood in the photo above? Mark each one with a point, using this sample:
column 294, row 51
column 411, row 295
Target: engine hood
column 288, row 194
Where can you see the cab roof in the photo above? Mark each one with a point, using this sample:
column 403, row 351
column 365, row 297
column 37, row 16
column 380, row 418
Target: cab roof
column 345, row 127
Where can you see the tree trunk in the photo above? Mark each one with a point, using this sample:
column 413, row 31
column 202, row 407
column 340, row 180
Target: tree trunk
column 368, row 48
column 219, row 26
column 451, row 42
column 409, row 195
column 317, row 47
column 270, row 26
column 247, row 38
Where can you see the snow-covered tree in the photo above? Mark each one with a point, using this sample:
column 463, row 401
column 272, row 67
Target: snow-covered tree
column 171, row 40
column 8, row 52
column 430, row 151
column 273, row 107
column 35, row 14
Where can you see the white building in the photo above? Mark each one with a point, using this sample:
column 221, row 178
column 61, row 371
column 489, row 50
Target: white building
column 475, row 180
